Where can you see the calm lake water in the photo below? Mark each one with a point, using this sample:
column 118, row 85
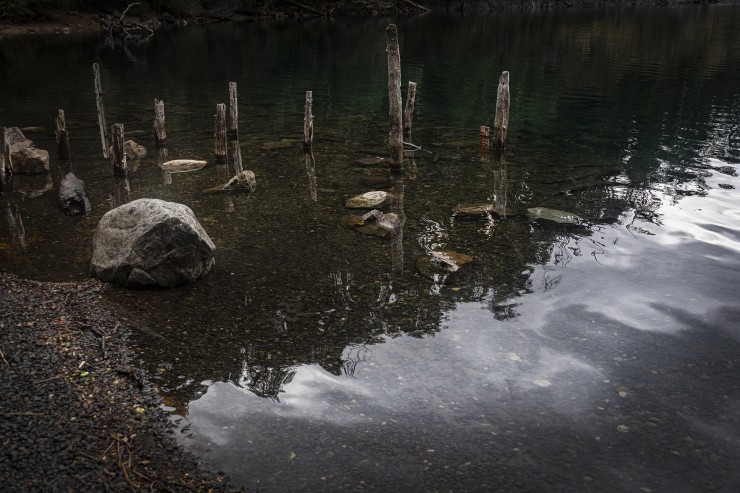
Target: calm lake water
column 602, row 356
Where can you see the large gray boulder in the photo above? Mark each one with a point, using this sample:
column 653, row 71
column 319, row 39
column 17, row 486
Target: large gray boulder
column 151, row 243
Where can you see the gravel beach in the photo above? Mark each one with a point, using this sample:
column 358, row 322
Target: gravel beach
column 75, row 415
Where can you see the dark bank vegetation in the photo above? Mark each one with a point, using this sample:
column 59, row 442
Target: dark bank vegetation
column 26, row 10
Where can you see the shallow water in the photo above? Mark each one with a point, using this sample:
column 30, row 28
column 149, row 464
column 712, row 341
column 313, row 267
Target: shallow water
column 601, row 356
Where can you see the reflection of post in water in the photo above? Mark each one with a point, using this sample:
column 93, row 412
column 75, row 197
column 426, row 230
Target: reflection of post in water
column 311, row 172
column 162, row 157
column 222, row 171
column 500, row 184
column 235, row 152
column 15, row 224
column 120, row 191
column 485, row 143
column 399, row 187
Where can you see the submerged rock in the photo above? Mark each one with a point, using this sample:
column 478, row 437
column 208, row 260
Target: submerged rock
column 134, row 150
column 368, row 200
column 560, row 217
column 473, row 210
column 183, row 165
column 241, row 182
column 374, row 223
column 151, row 243
column 72, row 196
column 440, row 265
column 371, row 161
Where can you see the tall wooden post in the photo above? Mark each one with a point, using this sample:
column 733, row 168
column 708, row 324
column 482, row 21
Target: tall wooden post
column 501, row 122
column 395, row 136
column 4, row 156
column 160, row 134
column 308, row 122
column 408, row 113
column 118, row 156
column 220, row 133
column 104, row 137
column 233, row 112
column 62, row 136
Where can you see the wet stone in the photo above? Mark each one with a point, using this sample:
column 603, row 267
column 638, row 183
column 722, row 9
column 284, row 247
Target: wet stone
column 371, row 161
column 368, row 200
column 553, row 215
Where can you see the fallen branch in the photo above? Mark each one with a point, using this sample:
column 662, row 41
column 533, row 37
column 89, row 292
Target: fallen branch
column 418, row 6
column 7, row 415
column 305, row 7
column 3, row 357
column 48, row 379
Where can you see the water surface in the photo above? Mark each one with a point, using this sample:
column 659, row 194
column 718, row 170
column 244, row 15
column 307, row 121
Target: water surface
column 601, row 356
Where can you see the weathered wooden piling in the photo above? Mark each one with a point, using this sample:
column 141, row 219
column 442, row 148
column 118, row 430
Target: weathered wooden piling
column 395, row 136
column 408, row 113
column 62, row 136
column 219, row 133
column 104, row 137
column 233, row 112
column 4, row 156
column 118, row 156
column 501, row 122
column 160, row 133
column 308, row 122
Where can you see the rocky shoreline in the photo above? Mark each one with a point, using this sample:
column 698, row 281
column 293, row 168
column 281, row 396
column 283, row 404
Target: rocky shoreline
column 76, row 414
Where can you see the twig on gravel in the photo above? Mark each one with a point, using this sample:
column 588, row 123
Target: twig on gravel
column 122, row 466
column 3, row 357
column 102, row 457
column 21, row 414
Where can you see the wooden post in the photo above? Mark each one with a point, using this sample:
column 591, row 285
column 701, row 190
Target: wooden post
column 160, row 134
column 233, row 112
column 395, row 136
column 408, row 113
column 4, row 155
column 62, row 137
column 118, row 157
column 104, row 138
column 220, row 133
column 501, row 122
column 308, row 122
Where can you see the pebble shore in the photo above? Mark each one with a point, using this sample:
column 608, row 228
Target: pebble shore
column 75, row 414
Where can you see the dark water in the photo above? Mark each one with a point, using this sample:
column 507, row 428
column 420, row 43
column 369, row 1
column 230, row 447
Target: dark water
column 598, row 357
